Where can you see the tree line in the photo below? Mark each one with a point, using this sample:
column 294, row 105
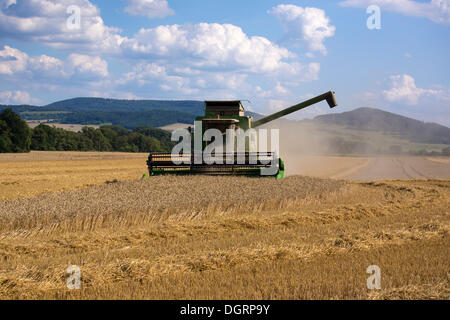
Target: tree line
column 16, row 136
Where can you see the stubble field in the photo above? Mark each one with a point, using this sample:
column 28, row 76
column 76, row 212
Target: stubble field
column 217, row 238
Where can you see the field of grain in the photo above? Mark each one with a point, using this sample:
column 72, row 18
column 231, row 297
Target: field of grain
column 69, row 127
column 222, row 238
column 38, row 172
column 369, row 168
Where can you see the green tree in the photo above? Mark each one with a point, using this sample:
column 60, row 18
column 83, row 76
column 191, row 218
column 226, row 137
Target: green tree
column 99, row 142
column 143, row 143
column 44, row 138
column 15, row 135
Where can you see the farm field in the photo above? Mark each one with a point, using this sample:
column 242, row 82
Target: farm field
column 370, row 168
column 40, row 172
column 25, row 175
column 69, row 127
column 220, row 238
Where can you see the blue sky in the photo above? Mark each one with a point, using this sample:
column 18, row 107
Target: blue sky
column 271, row 53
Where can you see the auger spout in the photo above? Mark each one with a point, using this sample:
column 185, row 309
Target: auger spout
column 328, row 96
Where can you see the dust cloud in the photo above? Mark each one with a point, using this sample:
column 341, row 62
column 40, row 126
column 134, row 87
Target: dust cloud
column 311, row 148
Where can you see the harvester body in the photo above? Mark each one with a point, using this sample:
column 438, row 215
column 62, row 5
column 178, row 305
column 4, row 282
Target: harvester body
column 226, row 116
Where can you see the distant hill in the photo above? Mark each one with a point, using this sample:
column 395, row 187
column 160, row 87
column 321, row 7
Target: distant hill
column 129, row 119
column 369, row 119
column 101, row 104
column 127, row 113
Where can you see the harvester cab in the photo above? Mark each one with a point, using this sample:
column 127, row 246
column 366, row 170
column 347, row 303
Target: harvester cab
column 226, row 116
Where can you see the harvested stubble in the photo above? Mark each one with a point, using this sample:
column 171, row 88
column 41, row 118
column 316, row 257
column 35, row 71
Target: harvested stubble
column 230, row 238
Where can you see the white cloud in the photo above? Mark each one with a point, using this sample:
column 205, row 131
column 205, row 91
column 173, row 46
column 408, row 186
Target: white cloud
column 208, row 45
column 280, row 89
column 309, row 25
column 437, row 11
column 15, row 97
column 225, row 80
column 199, row 60
column 86, row 66
column 149, row 8
column 14, row 62
column 203, row 44
column 218, row 60
column 146, row 77
column 45, row 67
column 45, row 21
column 404, row 89
column 155, row 75
column 192, row 47
column 170, row 79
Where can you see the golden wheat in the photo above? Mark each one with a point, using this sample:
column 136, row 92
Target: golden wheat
column 27, row 175
column 229, row 238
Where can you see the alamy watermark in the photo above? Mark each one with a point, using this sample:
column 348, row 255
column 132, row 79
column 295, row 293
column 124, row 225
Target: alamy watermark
column 73, row 22
column 374, row 20
column 73, row 281
column 374, row 281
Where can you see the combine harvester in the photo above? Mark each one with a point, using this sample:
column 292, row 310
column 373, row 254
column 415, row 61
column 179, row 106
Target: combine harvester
column 223, row 115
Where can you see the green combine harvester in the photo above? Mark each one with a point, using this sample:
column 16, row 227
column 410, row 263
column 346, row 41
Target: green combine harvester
column 224, row 115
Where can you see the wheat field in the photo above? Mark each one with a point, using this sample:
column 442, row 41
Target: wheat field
column 227, row 238
column 40, row 172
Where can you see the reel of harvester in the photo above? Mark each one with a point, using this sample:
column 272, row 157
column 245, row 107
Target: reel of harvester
column 225, row 116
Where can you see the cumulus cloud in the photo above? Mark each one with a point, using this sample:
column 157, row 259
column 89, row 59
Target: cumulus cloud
column 224, row 80
column 170, row 79
column 86, row 66
column 216, row 60
column 437, row 11
column 155, row 75
column 210, row 56
column 208, row 45
column 15, row 97
column 309, row 25
column 149, row 8
column 149, row 76
column 212, row 46
column 404, row 89
column 45, row 21
column 280, row 89
column 14, row 62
